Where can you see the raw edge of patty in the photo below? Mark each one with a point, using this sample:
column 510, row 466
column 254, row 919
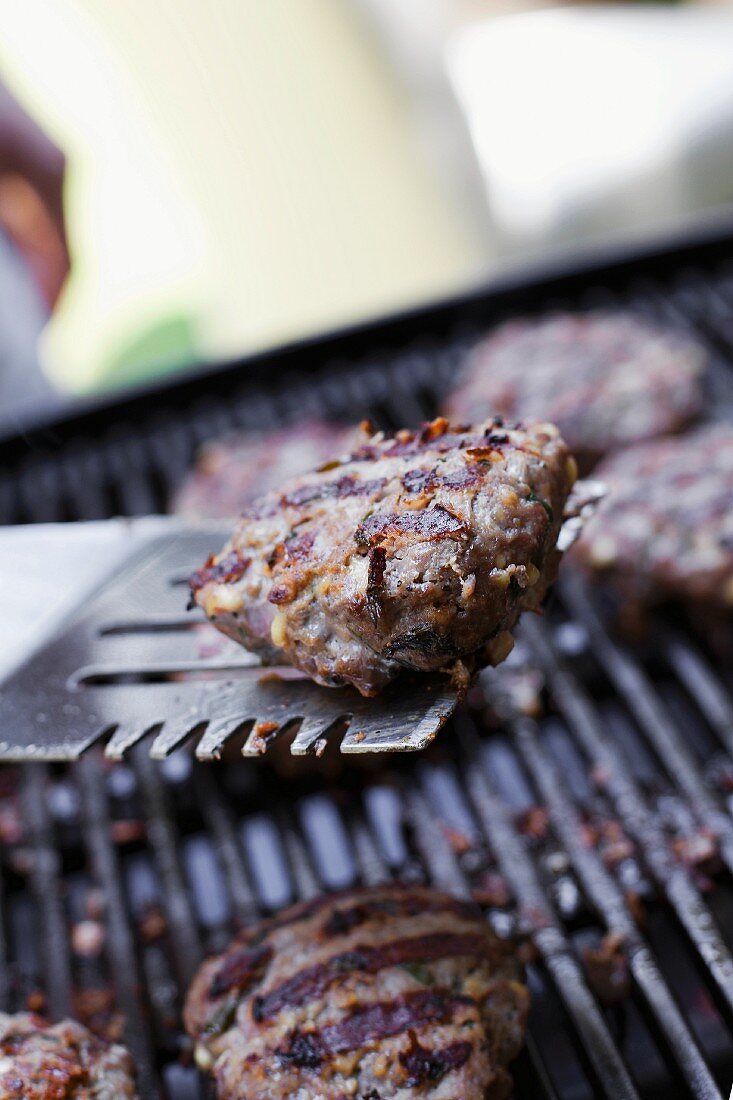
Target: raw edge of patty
column 42, row 1061
column 386, row 992
column 419, row 551
column 665, row 529
column 607, row 379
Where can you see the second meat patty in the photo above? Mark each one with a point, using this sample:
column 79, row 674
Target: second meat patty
column 418, row 551
column 386, row 993
column 606, row 379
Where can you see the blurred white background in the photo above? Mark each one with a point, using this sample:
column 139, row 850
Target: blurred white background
column 244, row 173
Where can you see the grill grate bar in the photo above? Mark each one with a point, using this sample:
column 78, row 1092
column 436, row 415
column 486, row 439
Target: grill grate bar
column 433, row 847
column 612, row 1076
column 446, row 873
column 120, row 943
column 670, row 875
column 703, row 686
column 304, row 879
column 45, row 879
column 603, row 891
column 372, row 868
column 655, row 722
column 219, row 825
column 162, row 838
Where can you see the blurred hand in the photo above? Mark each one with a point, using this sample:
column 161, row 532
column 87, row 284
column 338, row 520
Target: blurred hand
column 31, row 196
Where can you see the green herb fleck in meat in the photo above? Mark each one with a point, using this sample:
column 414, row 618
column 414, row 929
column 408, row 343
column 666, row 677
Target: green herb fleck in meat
column 419, row 972
column 534, row 499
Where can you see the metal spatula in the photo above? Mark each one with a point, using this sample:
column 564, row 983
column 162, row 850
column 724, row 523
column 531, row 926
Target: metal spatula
column 119, row 670
column 133, row 661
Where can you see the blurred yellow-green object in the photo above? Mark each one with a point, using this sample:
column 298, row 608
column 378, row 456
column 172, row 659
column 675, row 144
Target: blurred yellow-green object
column 241, row 172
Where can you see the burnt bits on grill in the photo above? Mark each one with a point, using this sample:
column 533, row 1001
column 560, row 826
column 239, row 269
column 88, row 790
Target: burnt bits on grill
column 605, row 379
column 376, row 993
column 232, row 473
column 40, row 1061
column 419, row 551
column 665, row 529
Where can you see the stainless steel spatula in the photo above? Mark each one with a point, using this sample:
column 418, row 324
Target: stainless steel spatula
column 132, row 661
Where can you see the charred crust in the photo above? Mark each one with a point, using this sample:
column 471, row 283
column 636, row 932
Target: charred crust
column 303, row 1050
column 423, row 1065
column 433, row 429
column 418, row 481
column 433, row 523
column 369, row 1024
column 284, row 592
column 240, row 970
column 298, row 547
column 227, row 570
column 375, row 582
column 346, row 486
column 422, row 640
column 313, row 981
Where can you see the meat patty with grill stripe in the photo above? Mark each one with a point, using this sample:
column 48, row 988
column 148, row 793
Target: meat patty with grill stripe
column 42, row 1061
column 418, row 551
column 606, row 379
column 665, row 528
column 385, row 993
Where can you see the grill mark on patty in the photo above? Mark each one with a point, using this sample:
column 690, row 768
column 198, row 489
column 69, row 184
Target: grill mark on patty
column 315, row 980
column 424, row 1065
column 421, row 480
column 339, row 923
column 240, row 970
column 425, row 480
column 375, row 582
column 342, row 921
column 369, row 1024
column 231, row 568
column 430, row 523
column 347, row 486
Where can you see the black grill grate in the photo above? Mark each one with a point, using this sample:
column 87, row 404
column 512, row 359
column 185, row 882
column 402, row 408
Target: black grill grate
column 604, row 810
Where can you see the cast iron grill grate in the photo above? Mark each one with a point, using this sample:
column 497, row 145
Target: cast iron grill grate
column 600, row 806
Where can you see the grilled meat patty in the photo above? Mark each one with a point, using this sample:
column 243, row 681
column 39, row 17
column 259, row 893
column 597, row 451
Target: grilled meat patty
column 41, row 1061
column 665, row 528
column 232, row 473
column 418, row 551
column 605, row 379
column 389, row 992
